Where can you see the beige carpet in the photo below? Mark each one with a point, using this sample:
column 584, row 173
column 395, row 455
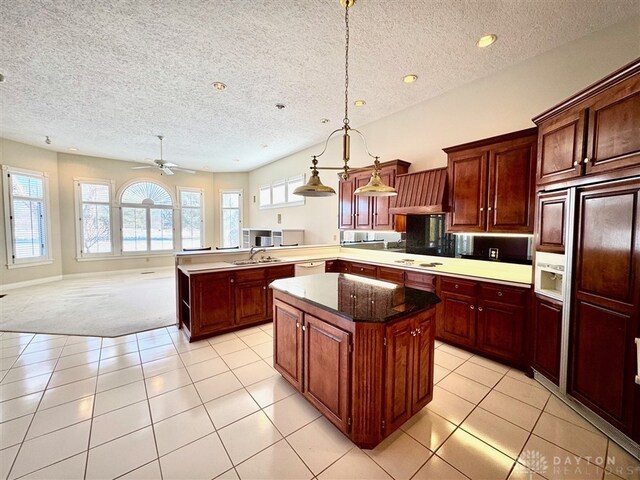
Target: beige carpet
column 105, row 304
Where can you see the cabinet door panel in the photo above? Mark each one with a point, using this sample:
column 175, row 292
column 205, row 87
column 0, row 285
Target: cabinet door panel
column 458, row 319
column 363, row 205
column 600, row 373
column 213, row 303
column 510, row 206
column 608, row 230
column 547, row 332
column 327, row 370
column 468, row 189
column 501, row 330
column 614, row 128
column 551, row 220
column 423, row 362
column 399, row 374
column 382, row 219
column 346, row 212
column 560, row 144
column 251, row 302
column 287, row 354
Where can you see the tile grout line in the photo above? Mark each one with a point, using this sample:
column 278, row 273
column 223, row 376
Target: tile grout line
column 95, row 396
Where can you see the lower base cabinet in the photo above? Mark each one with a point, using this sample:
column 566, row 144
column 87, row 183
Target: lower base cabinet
column 218, row 302
column 366, row 378
column 486, row 318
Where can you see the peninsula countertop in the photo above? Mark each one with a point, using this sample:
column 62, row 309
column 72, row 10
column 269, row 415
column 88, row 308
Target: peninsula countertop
column 357, row 298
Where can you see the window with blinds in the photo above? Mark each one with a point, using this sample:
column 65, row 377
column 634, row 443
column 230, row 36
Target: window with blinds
column 27, row 210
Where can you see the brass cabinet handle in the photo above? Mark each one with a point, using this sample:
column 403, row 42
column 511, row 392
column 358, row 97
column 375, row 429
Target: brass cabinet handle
column 586, row 160
column 264, row 288
column 457, row 286
column 472, row 307
column 575, row 164
column 231, row 281
column 489, row 209
column 297, row 324
column 481, row 209
column 479, row 309
column 499, row 294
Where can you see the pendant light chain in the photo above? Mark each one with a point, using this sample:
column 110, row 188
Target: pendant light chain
column 346, row 66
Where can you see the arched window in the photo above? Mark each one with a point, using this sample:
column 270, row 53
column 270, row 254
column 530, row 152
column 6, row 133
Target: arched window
column 147, row 218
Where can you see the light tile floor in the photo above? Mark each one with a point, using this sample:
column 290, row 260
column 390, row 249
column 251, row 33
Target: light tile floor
column 152, row 405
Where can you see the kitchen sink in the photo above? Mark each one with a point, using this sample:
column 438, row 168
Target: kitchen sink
column 430, row 265
column 258, row 261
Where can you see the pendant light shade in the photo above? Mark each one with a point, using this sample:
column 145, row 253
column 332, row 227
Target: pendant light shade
column 375, row 187
column 314, row 188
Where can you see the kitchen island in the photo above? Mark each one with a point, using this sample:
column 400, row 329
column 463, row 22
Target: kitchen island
column 360, row 350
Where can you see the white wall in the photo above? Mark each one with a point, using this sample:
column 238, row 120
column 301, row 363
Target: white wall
column 14, row 154
column 500, row 103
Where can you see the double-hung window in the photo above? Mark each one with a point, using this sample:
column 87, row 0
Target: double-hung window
column 95, row 233
column 192, row 217
column 230, row 217
column 26, row 216
column 147, row 218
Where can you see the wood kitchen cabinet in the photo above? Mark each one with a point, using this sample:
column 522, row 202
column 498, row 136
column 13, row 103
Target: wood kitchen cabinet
column 486, row 318
column 356, row 212
column 547, row 333
column 409, row 372
column 593, row 135
column 550, row 222
column 211, row 303
column 287, row 354
column 606, row 303
column 491, row 184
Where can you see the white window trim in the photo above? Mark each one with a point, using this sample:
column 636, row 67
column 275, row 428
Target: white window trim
column 239, row 191
column 77, row 181
column 179, row 191
column 47, row 258
column 286, row 203
column 118, row 206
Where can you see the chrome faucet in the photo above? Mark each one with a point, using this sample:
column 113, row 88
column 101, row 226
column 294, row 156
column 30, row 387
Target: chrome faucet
column 252, row 253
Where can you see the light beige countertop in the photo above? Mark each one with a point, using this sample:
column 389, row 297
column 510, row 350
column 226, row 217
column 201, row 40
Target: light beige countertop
column 503, row 273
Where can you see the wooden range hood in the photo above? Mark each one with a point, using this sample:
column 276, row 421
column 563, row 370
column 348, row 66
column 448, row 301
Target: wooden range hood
column 421, row 193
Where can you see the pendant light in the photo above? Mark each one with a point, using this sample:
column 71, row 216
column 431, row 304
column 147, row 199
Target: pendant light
column 375, row 187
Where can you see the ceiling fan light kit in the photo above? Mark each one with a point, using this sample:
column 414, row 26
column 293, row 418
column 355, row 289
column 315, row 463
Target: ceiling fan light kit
column 314, row 187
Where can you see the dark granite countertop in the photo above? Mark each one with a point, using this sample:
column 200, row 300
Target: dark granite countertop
column 358, row 299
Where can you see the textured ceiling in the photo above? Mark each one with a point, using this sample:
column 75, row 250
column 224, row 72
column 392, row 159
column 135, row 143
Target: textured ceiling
column 105, row 77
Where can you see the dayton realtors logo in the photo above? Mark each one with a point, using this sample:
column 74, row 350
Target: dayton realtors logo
column 532, row 462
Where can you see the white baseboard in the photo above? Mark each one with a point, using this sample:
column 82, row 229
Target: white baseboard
column 28, row 283
column 164, row 268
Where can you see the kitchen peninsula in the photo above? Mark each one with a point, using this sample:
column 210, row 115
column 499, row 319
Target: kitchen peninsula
column 360, row 350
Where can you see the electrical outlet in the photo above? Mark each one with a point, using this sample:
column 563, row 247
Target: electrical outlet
column 279, row 218
column 493, row 253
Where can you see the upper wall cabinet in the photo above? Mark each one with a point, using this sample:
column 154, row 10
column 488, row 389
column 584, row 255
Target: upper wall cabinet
column 356, row 212
column 593, row 135
column 491, row 184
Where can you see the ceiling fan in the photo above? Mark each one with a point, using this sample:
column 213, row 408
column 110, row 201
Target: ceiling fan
column 165, row 167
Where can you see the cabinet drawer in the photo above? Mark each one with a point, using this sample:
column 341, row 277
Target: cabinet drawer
column 499, row 293
column 364, row 270
column 421, row 281
column 461, row 287
column 281, row 271
column 391, row 275
column 249, row 274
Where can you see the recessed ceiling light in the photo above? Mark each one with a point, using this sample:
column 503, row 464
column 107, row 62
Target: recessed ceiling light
column 410, row 78
column 236, row 160
column 486, row 40
column 280, row 106
column 324, row 120
column 359, row 103
column 219, row 86
column 73, row 149
column 264, row 145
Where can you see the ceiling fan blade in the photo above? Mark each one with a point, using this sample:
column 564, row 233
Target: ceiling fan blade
column 185, row 170
column 140, row 168
column 166, row 171
column 169, row 164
